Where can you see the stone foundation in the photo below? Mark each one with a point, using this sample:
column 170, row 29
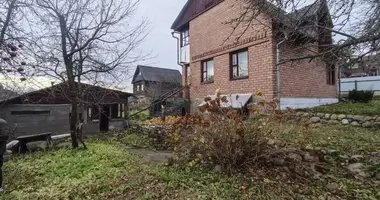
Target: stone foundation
column 349, row 120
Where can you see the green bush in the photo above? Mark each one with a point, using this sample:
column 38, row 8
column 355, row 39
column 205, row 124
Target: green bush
column 140, row 117
column 364, row 96
column 136, row 140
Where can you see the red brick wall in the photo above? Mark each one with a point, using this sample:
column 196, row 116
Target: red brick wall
column 304, row 78
column 209, row 31
column 186, row 91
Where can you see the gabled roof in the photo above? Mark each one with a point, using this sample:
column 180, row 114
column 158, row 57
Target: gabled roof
column 307, row 11
column 156, row 74
column 194, row 8
column 191, row 10
column 317, row 9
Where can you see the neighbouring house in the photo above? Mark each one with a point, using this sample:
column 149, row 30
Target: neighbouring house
column 151, row 84
column 239, row 60
column 48, row 110
column 366, row 66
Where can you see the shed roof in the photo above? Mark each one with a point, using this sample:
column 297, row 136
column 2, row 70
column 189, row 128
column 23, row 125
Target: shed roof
column 61, row 94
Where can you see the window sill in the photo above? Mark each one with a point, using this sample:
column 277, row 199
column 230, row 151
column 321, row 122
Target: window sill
column 207, row 82
column 116, row 119
column 239, row 78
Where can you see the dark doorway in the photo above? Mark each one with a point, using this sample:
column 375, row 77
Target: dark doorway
column 105, row 119
column 183, row 111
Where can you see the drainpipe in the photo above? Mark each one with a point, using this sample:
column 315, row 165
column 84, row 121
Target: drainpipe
column 339, row 82
column 178, row 53
column 278, row 66
column 178, row 39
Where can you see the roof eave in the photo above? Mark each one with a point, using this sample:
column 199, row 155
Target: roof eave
column 175, row 26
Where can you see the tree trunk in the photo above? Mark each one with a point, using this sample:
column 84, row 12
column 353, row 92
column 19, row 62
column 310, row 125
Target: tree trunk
column 71, row 81
column 7, row 21
column 73, row 123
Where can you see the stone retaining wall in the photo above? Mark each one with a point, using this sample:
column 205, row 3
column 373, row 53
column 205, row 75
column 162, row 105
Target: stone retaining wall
column 352, row 120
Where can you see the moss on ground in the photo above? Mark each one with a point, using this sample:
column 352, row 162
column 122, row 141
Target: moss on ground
column 107, row 171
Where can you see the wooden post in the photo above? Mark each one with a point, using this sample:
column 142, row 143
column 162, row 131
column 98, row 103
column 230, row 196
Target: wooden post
column 356, row 85
column 163, row 112
column 110, row 110
column 85, row 114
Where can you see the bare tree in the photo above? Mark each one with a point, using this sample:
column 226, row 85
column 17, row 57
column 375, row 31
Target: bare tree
column 353, row 24
column 10, row 37
column 7, row 16
column 85, row 40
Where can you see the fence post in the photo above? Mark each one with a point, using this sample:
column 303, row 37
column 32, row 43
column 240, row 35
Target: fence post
column 356, row 85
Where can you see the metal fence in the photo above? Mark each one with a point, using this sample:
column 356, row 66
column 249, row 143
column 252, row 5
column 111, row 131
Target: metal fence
column 361, row 83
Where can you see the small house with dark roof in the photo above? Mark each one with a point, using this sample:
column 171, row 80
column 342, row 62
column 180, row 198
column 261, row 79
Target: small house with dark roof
column 48, row 110
column 363, row 67
column 150, row 83
column 220, row 48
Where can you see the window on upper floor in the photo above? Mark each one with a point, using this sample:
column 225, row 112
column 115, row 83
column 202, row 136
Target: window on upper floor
column 185, row 38
column 208, row 71
column 139, row 87
column 374, row 72
column 239, row 64
column 330, row 71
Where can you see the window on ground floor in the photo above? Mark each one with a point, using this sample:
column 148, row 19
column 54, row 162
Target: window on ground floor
column 31, row 112
column 239, row 64
column 117, row 111
column 331, row 78
column 93, row 112
column 208, row 71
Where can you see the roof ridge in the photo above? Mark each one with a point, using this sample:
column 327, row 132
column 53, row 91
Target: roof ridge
column 157, row 67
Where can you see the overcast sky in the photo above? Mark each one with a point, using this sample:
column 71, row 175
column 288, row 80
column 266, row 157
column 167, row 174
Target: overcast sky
column 163, row 48
column 159, row 42
column 161, row 14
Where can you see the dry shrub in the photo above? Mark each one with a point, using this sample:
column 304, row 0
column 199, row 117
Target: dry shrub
column 217, row 135
column 227, row 142
column 169, row 120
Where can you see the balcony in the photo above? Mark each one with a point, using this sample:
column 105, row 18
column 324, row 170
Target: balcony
column 185, row 54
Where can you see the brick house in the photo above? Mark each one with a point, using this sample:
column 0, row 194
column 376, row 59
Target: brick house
column 240, row 60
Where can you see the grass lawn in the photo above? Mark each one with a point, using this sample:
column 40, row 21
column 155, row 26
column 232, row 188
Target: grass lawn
column 370, row 109
column 107, row 171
